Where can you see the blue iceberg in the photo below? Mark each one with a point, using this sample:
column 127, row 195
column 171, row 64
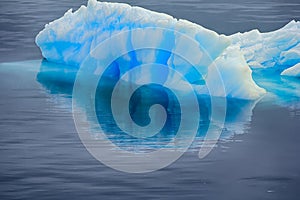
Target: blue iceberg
column 71, row 38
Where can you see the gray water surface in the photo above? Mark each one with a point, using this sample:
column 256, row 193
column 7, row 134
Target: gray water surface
column 42, row 156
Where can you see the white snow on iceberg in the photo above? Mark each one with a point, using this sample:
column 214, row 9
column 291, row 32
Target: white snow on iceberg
column 292, row 71
column 277, row 48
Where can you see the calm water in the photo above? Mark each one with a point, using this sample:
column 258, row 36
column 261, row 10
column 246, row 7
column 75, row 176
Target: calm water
column 42, row 156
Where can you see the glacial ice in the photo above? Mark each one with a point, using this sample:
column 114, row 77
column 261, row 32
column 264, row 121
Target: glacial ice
column 70, row 39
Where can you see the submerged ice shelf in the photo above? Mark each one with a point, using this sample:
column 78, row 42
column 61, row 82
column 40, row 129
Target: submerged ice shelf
column 70, row 39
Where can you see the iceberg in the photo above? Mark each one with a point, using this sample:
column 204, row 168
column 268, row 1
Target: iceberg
column 71, row 38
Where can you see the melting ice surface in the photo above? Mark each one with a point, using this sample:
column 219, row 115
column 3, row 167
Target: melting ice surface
column 252, row 65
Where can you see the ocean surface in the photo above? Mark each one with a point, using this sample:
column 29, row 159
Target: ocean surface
column 42, row 157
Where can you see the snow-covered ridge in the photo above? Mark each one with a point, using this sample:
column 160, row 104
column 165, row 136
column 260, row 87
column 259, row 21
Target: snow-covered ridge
column 277, row 48
column 71, row 38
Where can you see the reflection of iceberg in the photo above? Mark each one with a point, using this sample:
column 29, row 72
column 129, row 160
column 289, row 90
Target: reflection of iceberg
column 59, row 80
column 238, row 117
column 71, row 38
